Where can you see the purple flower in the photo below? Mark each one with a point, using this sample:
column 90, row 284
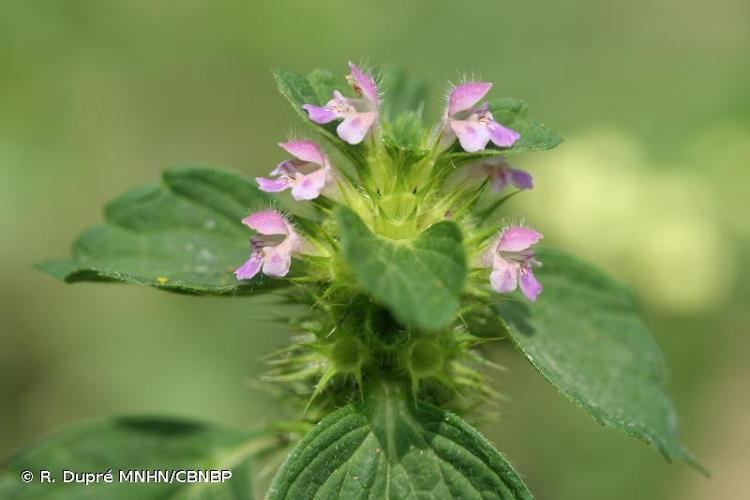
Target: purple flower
column 359, row 113
column 473, row 125
column 307, row 174
column 501, row 174
column 272, row 248
column 512, row 261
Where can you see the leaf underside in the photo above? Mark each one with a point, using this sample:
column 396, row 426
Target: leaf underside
column 134, row 444
column 388, row 448
column 586, row 338
column 182, row 235
column 419, row 280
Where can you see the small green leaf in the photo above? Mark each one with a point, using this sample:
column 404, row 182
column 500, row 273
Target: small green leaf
column 134, row 444
column 535, row 136
column 297, row 90
column 389, row 448
column 585, row 337
column 323, row 83
column 512, row 112
column 183, row 235
column 420, row 280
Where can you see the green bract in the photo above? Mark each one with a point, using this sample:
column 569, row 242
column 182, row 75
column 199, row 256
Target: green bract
column 403, row 265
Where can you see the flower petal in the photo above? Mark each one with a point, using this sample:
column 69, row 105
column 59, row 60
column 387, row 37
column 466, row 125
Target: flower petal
column 304, row 150
column 308, row 187
column 268, row 222
column 320, row 115
column 504, row 275
column 503, row 137
column 521, row 178
column 499, row 178
column 354, row 128
column 365, row 84
column 272, row 185
column 250, row 268
column 287, row 167
column 277, row 260
column 530, row 286
column 472, row 134
column 516, row 239
column 466, row 95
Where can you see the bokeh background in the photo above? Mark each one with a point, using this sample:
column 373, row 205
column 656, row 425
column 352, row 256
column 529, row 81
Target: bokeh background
column 652, row 182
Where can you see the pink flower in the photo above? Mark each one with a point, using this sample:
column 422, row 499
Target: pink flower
column 473, row 125
column 501, row 174
column 306, row 175
column 272, row 248
column 359, row 114
column 512, row 261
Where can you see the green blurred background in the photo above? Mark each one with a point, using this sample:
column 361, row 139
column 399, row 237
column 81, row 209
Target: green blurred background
column 652, row 182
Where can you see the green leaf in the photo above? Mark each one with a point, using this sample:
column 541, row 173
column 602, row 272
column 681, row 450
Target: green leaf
column 507, row 110
column 137, row 444
column 323, row 83
column 420, row 280
column 585, row 337
column 512, row 112
column 389, row 448
column 183, row 235
column 297, row 90
column 535, row 136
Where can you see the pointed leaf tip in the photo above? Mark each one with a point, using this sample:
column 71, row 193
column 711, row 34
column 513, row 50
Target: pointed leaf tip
column 584, row 335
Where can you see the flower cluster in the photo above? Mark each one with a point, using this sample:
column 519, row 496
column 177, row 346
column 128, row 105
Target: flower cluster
column 467, row 125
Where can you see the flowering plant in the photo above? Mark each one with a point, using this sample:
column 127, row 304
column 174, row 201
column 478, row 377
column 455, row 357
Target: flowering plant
column 407, row 271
